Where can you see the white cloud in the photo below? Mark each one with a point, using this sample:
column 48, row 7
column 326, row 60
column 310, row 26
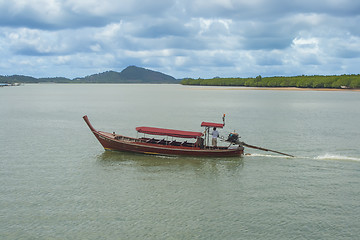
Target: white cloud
column 306, row 45
column 184, row 38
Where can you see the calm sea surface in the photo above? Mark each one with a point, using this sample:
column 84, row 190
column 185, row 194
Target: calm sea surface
column 56, row 181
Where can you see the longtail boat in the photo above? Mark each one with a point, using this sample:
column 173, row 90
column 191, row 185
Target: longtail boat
column 194, row 145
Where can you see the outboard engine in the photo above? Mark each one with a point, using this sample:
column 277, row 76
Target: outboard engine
column 233, row 138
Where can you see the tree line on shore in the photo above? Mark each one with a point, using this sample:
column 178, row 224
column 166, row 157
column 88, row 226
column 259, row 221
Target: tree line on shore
column 316, row 81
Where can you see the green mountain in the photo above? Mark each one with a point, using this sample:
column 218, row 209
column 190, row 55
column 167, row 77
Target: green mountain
column 131, row 74
column 105, row 77
column 17, row 79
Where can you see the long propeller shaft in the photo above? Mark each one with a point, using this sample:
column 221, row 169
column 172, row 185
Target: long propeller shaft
column 265, row 149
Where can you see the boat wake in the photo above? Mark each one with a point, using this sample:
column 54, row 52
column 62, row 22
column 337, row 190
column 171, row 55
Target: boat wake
column 329, row 156
column 326, row 156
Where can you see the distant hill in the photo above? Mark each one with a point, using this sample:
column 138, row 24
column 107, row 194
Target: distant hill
column 131, row 74
column 134, row 74
column 105, row 77
column 17, row 79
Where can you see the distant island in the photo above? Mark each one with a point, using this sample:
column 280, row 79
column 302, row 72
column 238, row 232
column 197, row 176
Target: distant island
column 131, row 74
column 316, row 81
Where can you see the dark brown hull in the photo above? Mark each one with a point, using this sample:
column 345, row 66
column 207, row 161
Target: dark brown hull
column 126, row 144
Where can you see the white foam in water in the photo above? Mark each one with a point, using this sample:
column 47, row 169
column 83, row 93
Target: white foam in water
column 326, row 156
column 329, row 156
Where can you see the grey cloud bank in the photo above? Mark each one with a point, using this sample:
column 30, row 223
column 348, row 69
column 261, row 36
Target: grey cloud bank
column 201, row 38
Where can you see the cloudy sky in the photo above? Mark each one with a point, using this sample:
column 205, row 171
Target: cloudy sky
column 183, row 38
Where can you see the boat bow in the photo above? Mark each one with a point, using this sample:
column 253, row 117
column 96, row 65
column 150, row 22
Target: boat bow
column 86, row 119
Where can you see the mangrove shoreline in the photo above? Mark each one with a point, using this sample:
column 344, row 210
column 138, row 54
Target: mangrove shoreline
column 298, row 82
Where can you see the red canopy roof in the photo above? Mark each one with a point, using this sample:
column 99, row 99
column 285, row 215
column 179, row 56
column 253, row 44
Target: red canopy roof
column 168, row 132
column 210, row 124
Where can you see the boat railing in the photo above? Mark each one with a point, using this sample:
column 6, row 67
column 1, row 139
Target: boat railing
column 165, row 142
column 124, row 138
column 119, row 137
column 157, row 141
column 175, row 143
column 187, row 144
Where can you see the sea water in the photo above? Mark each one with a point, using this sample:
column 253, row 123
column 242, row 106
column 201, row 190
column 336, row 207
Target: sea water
column 58, row 183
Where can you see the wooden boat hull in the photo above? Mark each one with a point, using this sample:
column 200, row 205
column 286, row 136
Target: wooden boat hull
column 111, row 141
